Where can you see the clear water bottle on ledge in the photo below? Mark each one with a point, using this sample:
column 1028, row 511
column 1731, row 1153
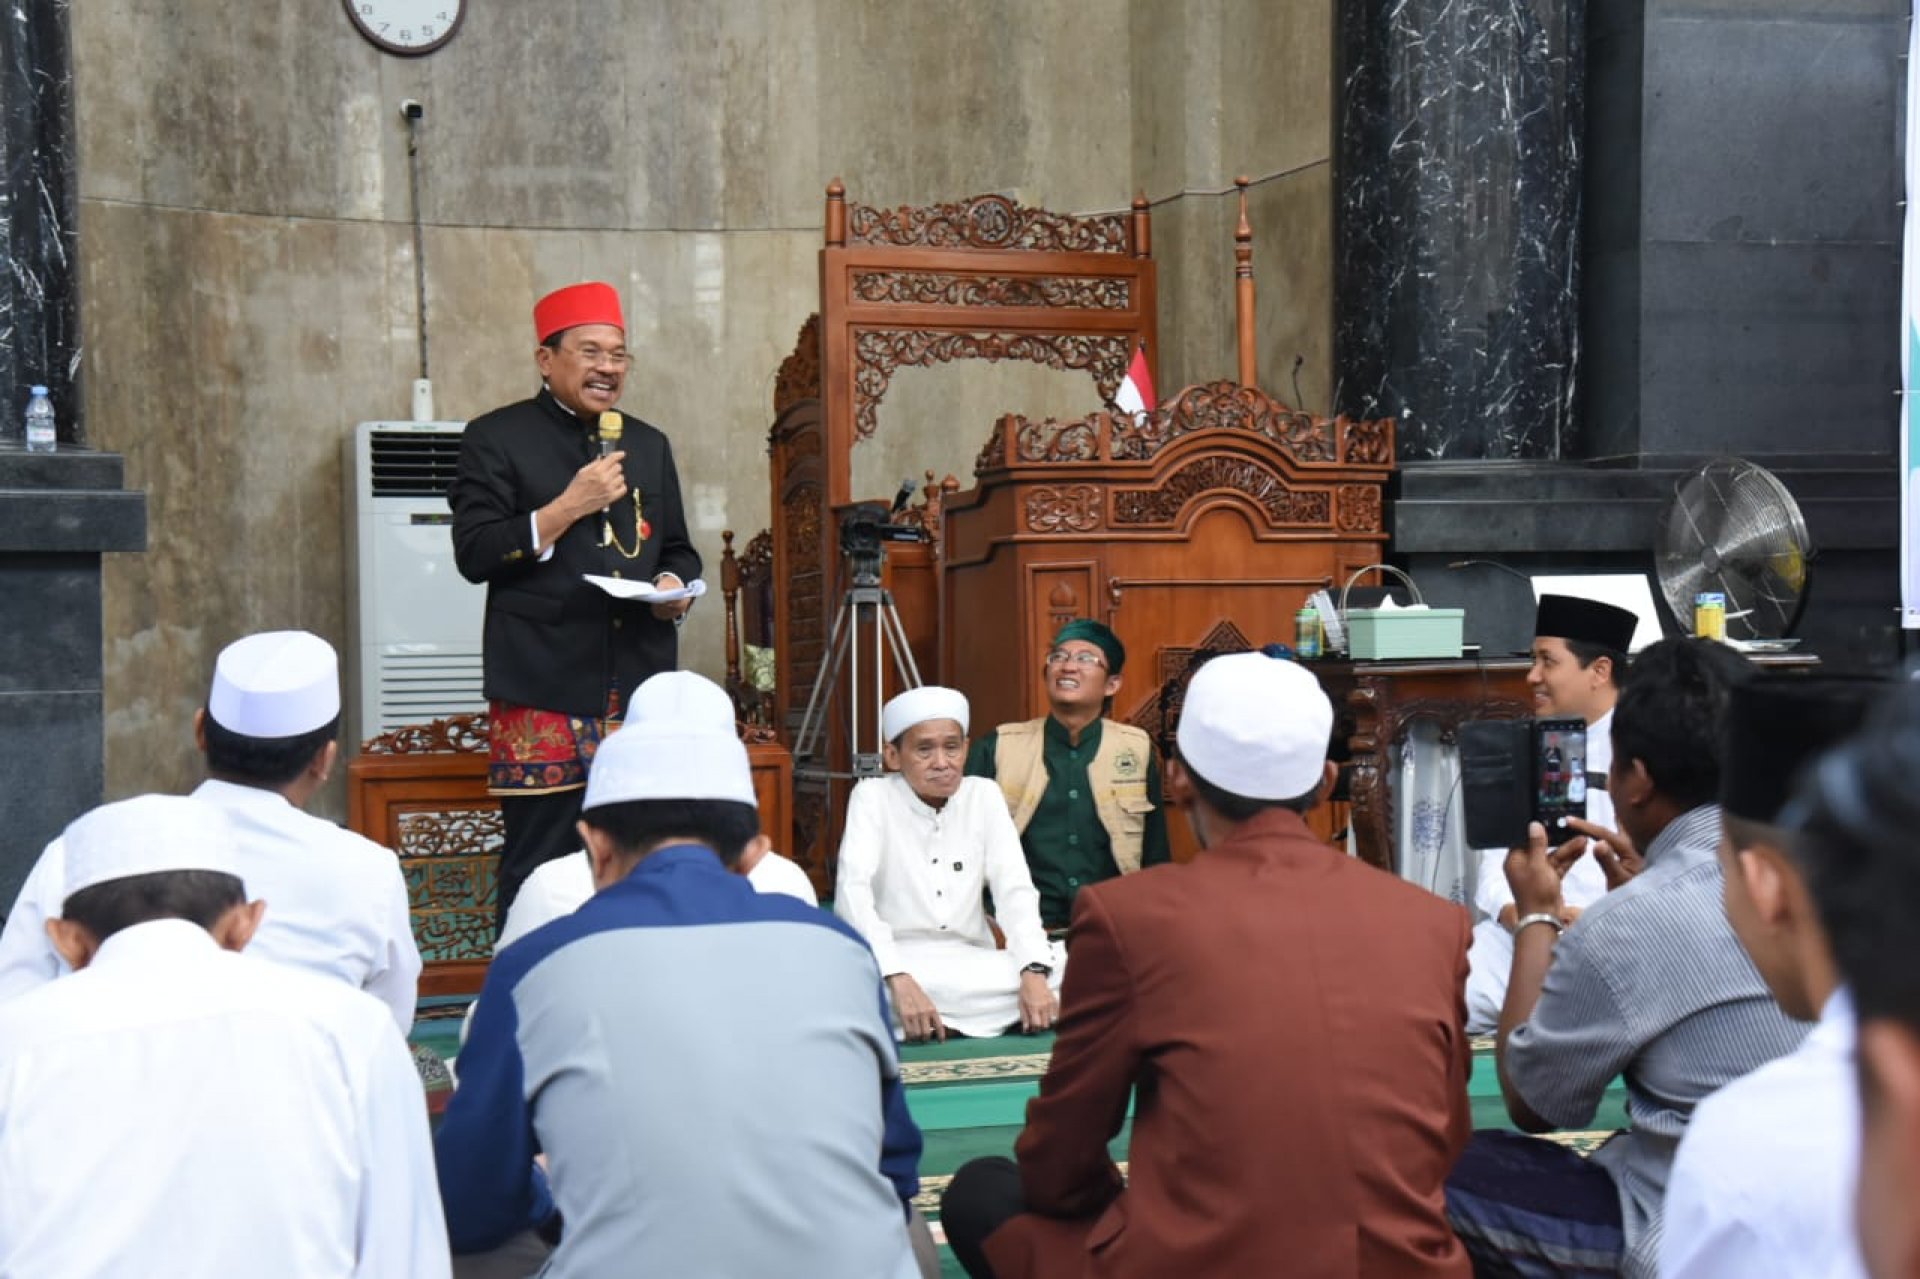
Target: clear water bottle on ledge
column 40, row 436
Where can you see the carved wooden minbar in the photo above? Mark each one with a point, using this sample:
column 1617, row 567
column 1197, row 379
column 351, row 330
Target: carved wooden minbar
column 984, row 278
column 1203, row 525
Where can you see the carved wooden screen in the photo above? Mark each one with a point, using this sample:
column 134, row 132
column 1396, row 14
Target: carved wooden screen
column 980, row 279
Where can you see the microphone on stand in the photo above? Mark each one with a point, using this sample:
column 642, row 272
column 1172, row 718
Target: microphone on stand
column 1504, row 568
column 612, row 425
column 901, row 498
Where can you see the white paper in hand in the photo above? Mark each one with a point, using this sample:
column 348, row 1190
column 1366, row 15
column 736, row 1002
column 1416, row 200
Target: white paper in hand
column 626, row 588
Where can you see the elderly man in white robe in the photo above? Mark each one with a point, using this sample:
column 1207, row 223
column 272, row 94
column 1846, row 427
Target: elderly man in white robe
column 921, row 846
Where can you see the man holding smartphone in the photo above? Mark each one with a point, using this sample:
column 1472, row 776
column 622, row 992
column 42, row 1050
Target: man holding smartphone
column 1579, row 664
column 1650, row 986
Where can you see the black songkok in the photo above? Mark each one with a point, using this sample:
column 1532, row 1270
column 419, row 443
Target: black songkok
column 1589, row 621
column 1776, row 726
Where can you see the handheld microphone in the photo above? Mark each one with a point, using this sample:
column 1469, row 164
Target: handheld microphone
column 611, row 428
column 904, row 496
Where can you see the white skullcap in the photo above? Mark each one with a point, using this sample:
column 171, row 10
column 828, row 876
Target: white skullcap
column 678, row 742
column 1256, row 726
column 276, row 684
column 918, row 705
column 144, row 835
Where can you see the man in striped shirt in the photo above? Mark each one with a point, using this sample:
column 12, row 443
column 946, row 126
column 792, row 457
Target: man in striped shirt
column 1650, row 984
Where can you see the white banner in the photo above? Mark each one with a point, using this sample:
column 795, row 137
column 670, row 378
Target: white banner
column 1910, row 348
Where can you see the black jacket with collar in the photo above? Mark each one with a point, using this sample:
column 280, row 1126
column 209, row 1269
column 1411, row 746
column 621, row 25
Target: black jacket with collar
column 553, row 640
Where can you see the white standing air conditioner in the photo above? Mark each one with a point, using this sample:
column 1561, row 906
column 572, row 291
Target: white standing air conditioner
column 415, row 622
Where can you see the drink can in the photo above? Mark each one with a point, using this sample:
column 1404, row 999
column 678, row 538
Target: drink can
column 1710, row 615
column 1306, row 634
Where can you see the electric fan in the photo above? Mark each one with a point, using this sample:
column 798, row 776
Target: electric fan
column 1733, row 528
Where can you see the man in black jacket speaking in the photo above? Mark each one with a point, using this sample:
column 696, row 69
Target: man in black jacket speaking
column 549, row 491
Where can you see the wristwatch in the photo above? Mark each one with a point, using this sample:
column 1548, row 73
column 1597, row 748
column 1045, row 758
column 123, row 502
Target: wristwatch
column 1045, row 970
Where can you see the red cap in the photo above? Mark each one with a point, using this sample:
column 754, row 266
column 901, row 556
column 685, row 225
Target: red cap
column 577, row 304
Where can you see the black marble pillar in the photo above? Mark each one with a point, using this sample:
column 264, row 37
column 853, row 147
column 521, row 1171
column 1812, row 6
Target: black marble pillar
column 1457, row 222
column 58, row 512
column 39, row 225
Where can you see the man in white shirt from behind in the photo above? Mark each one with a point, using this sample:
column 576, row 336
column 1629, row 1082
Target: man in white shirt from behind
column 337, row 901
column 1579, row 663
column 1763, row 1183
column 173, row 1108
column 920, row 847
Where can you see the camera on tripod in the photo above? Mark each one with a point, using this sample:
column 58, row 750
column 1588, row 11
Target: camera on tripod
column 863, row 527
column 866, row 632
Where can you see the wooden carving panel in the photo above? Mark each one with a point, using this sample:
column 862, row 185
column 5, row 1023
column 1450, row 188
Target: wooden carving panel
column 1066, row 508
column 1214, row 406
column 878, row 352
column 1358, row 507
column 1162, row 506
column 1369, row 442
column 945, row 288
column 799, row 376
column 450, row 858
column 454, row 733
column 987, row 222
column 1226, row 406
column 1159, row 713
column 1051, row 440
column 805, row 586
column 1068, row 593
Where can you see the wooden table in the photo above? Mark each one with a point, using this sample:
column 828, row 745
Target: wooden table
column 1375, row 702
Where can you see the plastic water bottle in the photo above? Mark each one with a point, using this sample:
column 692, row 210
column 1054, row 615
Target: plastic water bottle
column 39, row 422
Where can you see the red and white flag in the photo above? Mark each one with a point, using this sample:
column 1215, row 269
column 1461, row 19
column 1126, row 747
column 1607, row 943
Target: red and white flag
column 1135, row 395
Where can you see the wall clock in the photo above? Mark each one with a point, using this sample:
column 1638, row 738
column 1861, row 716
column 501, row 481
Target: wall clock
column 407, row 27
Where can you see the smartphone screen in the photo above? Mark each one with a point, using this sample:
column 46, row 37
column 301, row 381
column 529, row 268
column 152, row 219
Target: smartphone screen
column 1560, row 774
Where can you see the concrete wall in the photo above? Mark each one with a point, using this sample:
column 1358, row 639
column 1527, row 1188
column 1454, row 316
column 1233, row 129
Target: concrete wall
column 248, row 273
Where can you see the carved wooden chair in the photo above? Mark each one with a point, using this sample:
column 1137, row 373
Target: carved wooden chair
column 746, row 582
column 422, row 791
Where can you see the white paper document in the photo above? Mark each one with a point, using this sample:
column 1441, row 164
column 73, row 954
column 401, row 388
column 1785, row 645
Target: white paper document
column 626, row 588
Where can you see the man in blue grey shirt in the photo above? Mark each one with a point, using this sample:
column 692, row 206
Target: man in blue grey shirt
column 1650, row 984
column 631, row 1044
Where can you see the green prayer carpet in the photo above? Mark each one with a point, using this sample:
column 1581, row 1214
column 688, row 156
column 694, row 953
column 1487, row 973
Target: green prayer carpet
column 969, row 1097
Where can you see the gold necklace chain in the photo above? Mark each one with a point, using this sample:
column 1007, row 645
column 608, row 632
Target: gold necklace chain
column 610, row 538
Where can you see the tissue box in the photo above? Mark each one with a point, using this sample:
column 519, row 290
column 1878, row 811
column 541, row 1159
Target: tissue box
column 1374, row 634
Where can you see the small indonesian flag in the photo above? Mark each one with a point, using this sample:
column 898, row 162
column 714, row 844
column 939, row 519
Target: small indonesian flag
column 1135, row 395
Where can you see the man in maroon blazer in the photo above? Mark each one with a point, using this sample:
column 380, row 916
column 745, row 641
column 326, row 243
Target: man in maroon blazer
column 1287, row 1021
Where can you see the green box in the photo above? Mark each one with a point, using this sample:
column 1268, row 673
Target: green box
column 1375, row 634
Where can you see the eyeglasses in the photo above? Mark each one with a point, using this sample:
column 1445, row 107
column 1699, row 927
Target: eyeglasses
column 598, row 355
column 1061, row 656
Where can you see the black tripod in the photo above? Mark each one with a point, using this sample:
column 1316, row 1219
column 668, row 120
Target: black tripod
column 866, row 610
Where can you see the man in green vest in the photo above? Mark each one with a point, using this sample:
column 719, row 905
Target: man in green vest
column 1084, row 790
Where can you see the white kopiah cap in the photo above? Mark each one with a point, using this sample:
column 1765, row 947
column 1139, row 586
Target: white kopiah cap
column 144, row 835
column 918, row 705
column 678, row 742
column 1256, row 726
column 275, row 684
